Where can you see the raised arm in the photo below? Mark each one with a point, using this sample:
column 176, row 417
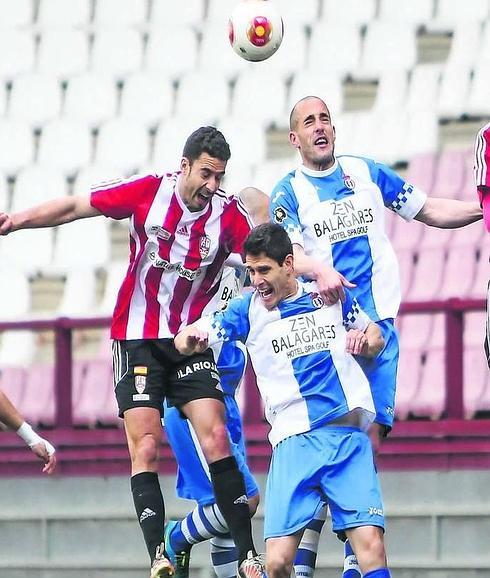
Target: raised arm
column 329, row 281
column 449, row 213
column 11, row 417
column 367, row 343
column 49, row 214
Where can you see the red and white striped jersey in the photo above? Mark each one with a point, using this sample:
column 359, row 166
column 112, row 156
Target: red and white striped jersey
column 482, row 157
column 176, row 256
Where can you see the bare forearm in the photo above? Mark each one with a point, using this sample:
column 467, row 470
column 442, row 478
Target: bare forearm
column 52, row 213
column 449, row 213
column 8, row 414
column 305, row 265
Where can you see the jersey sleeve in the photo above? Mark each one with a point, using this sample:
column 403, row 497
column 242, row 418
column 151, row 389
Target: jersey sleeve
column 482, row 157
column 284, row 211
column 352, row 314
column 398, row 195
column 118, row 199
column 237, row 225
column 231, row 324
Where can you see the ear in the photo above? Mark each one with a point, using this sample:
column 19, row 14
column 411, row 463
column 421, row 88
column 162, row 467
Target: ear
column 293, row 139
column 184, row 165
column 289, row 263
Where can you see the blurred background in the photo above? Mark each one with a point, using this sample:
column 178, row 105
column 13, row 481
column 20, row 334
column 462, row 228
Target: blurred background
column 93, row 89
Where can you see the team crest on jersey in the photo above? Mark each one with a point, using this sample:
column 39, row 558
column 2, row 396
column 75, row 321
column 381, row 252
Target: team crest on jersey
column 317, row 301
column 140, row 386
column 204, row 246
column 280, row 215
column 349, row 182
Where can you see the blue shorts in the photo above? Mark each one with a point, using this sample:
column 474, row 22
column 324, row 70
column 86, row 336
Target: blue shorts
column 193, row 480
column 381, row 373
column 330, row 464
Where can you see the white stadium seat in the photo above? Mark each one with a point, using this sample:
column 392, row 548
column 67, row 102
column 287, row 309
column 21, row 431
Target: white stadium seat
column 413, row 13
column 392, row 91
column 301, row 13
column 123, row 145
column 215, row 47
column 166, row 15
column 91, row 99
column 465, row 45
column 454, row 90
column 214, row 98
column 63, row 52
column 17, row 146
column 35, row 185
column 479, row 97
column 452, row 13
column 483, row 54
column 169, row 142
column 63, row 14
column 120, row 13
column 351, row 11
column 30, row 250
column 116, row 271
column 326, row 39
column 171, row 52
column 4, row 196
column 35, row 99
column 147, row 99
column 309, row 83
column 65, row 146
column 117, row 52
column 80, row 287
column 423, row 90
column 22, row 44
column 17, row 14
column 247, row 140
column 92, row 175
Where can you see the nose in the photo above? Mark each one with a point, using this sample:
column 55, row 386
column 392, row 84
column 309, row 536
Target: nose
column 212, row 184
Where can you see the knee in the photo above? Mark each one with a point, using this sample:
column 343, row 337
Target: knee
column 371, row 555
column 215, row 442
column 278, row 566
column 253, row 504
column 146, row 449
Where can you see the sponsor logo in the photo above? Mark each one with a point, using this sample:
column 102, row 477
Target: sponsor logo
column 184, row 231
column 280, row 215
column 390, row 410
column 197, row 366
column 375, row 512
column 344, row 220
column 160, row 232
column 189, row 274
column 349, row 182
column 140, row 383
column 278, row 195
column 241, row 500
column 146, row 513
column 317, row 301
column 204, row 246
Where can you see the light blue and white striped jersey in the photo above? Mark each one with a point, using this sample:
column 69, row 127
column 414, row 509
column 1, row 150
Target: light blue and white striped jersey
column 337, row 215
column 304, row 374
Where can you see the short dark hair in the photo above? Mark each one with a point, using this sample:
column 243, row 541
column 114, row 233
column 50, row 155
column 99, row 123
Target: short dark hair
column 269, row 239
column 206, row 139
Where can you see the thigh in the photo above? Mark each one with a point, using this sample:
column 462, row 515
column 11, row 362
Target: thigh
column 139, row 377
column 381, row 372
column 350, row 481
column 293, row 495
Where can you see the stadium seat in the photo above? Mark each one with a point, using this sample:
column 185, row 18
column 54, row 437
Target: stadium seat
column 63, row 53
column 422, row 134
column 17, row 146
column 117, row 52
column 214, row 98
column 431, row 397
column 483, row 54
column 37, row 404
column 160, row 52
column 215, row 47
column 479, row 288
column 61, row 14
column 459, row 271
column 18, row 347
column 246, row 140
column 83, row 244
column 414, row 13
column 454, row 90
column 265, row 106
column 20, row 43
column 427, row 275
column 65, row 146
column 326, row 37
column 270, row 172
column 392, row 91
column 405, row 259
column 15, row 296
column 29, row 250
column 36, row 184
column 188, row 13
column 123, row 145
column 423, row 89
column 12, row 382
column 109, row 13
column 387, row 47
column 450, row 13
column 421, row 171
column 4, row 195
column 18, row 14
column 90, row 99
column 115, row 273
column 169, row 142
column 465, row 45
column 327, row 86
column 238, row 175
column 474, row 364
column 147, row 99
column 36, row 111
column 80, row 287
column 304, row 13
column 349, row 11
column 450, row 174
column 92, row 175
column 390, row 128
column 479, row 96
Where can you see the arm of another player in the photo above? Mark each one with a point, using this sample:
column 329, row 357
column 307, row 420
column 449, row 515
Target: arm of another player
column 191, row 340
column 49, row 214
column 11, row 417
column 329, row 281
column 367, row 343
column 449, row 213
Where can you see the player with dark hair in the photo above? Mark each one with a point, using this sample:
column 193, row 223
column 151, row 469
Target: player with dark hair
column 11, row 417
column 333, row 209
column 317, row 400
column 182, row 229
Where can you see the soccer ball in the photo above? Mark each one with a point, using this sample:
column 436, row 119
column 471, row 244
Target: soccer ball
column 255, row 29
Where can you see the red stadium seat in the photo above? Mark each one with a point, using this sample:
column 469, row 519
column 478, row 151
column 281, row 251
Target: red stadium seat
column 37, row 404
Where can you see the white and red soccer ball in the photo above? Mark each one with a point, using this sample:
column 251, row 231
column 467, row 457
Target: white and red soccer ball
column 255, row 29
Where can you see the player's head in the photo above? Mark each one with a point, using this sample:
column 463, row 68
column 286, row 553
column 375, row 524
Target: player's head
column 311, row 131
column 203, row 165
column 269, row 259
column 257, row 204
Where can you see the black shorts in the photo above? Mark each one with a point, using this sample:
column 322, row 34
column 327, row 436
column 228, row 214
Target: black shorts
column 148, row 370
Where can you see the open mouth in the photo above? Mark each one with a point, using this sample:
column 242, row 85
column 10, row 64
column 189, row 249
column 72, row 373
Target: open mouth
column 204, row 195
column 321, row 141
column 265, row 293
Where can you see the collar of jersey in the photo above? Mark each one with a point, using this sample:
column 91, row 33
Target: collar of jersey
column 325, row 173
